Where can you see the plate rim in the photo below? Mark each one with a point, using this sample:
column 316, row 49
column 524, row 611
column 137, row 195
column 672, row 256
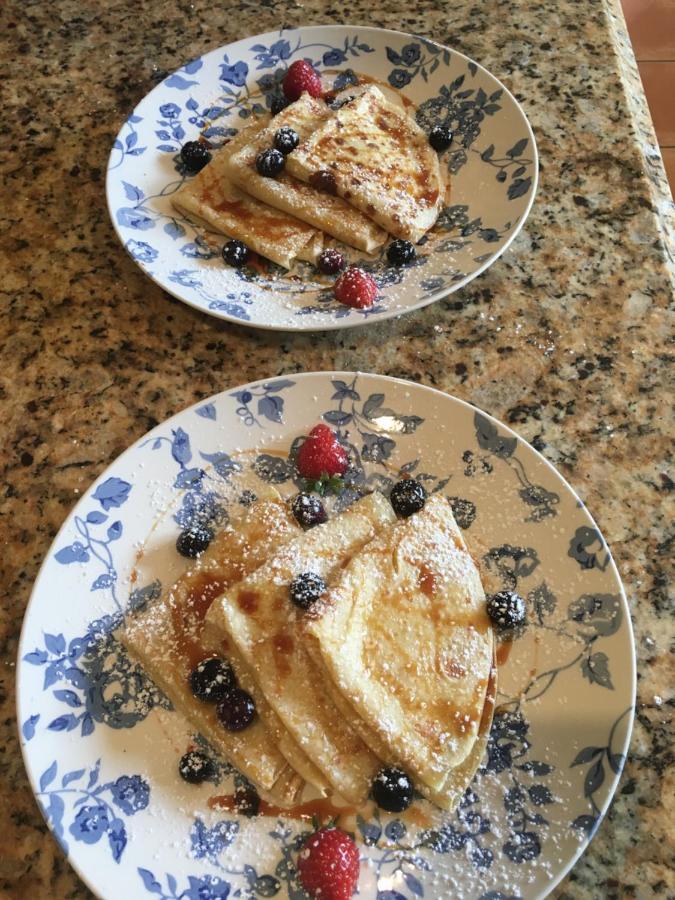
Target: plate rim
column 334, row 324
column 329, row 374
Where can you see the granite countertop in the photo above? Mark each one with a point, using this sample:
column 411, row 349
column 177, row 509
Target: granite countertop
column 564, row 338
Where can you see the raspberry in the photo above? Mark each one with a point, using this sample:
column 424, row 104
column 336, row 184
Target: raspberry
column 322, row 453
column 355, row 288
column 328, row 865
column 302, row 76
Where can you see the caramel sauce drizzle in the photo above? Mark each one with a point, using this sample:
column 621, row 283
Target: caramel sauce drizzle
column 322, row 809
column 188, row 616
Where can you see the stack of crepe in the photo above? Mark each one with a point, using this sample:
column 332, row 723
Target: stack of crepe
column 392, row 666
column 384, row 178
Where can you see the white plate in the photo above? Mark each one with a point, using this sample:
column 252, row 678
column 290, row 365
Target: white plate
column 101, row 748
column 493, row 165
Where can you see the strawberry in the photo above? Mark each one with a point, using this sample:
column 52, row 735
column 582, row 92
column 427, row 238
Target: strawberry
column 355, row 288
column 328, row 865
column 302, row 76
column 322, row 454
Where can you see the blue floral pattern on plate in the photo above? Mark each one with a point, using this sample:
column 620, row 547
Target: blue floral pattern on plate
column 565, row 695
column 492, row 163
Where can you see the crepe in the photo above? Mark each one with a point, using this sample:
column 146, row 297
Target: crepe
column 380, row 161
column 404, row 637
column 458, row 779
column 169, row 641
column 213, row 198
column 324, row 211
column 259, row 617
column 287, row 746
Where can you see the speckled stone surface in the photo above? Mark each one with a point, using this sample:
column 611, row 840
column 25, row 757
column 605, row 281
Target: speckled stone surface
column 565, row 337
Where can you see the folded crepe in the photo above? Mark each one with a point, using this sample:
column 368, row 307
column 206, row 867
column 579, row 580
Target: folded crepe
column 259, row 617
column 320, row 209
column 213, row 198
column 169, row 640
column 404, row 638
column 379, row 160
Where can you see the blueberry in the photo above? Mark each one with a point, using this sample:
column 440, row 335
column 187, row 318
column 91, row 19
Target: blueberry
column 330, row 262
column 247, row 801
column 236, row 710
column 194, row 541
column 408, row 497
column 286, row 140
column 306, row 589
column 269, row 163
column 279, row 102
column 440, row 137
column 401, row 253
column 506, row 609
column 195, row 155
column 212, row 679
column 236, row 253
column 392, row 789
column 196, row 767
column 308, row 510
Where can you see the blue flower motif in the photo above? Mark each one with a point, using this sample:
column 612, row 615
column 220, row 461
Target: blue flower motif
column 235, row 74
column 134, row 218
column 334, row 57
column 131, row 793
column 90, row 823
column 410, row 54
column 272, row 469
column 169, row 110
column 596, row 614
column 207, row 888
column 185, row 278
column 586, row 547
column 508, row 740
column 113, row 492
column 398, row 78
column 433, row 284
column 209, row 842
column 280, row 49
column 523, row 847
column 200, row 508
column 141, row 251
column 377, row 448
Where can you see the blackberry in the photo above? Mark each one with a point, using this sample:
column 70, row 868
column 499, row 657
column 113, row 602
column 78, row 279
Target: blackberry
column 279, row 102
column 408, row 497
column 306, row 589
column 212, row 679
column 195, row 155
column 247, row 498
column 247, row 801
column 286, row 140
column 269, row 163
column 194, row 541
column 440, row 137
column 330, row 262
column 506, row 609
column 236, row 710
column 308, row 510
column 196, row 767
column 236, row 253
column 392, row 789
column 401, row 253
